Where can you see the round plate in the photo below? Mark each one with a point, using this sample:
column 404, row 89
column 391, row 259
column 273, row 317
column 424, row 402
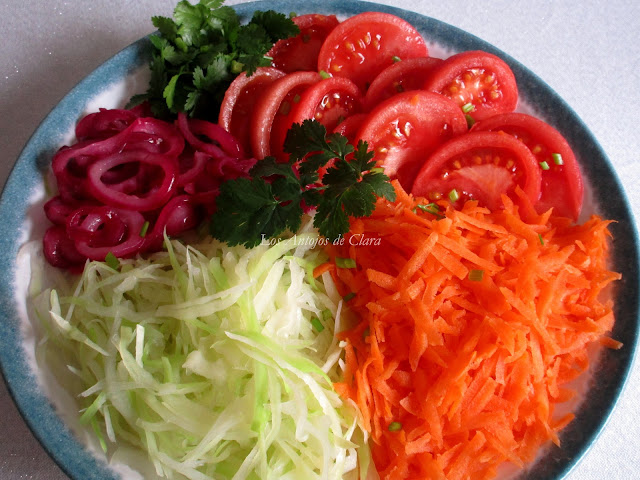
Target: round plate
column 607, row 378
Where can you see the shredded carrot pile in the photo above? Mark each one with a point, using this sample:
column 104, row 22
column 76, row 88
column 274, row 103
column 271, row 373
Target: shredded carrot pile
column 470, row 325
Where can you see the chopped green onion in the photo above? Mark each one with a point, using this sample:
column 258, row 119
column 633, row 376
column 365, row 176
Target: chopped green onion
column 395, row 426
column 326, row 314
column 236, row 67
column 431, row 208
column 468, row 107
column 324, row 74
column 544, row 165
column 349, row 296
column 345, row 262
column 470, row 120
column 541, row 239
column 476, row 275
column 557, row 159
column 395, row 59
column 454, row 196
column 111, row 260
column 143, row 230
column 317, row 324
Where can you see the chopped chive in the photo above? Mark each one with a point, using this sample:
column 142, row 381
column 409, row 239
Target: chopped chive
column 470, row 120
column 541, row 239
column 345, row 262
column 324, row 74
column 454, row 196
column 544, row 165
column 317, row 324
column 111, row 260
column 236, row 67
column 557, row 159
column 395, row 59
column 349, row 296
column 395, row 426
column 468, row 107
column 431, row 208
column 326, row 314
column 143, row 230
column 476, row 275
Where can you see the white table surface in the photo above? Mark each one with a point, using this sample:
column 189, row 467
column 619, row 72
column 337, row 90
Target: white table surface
column 587, row 51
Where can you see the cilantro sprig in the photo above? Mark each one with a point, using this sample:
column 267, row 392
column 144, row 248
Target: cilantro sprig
column 199, row 52
column 271, row 200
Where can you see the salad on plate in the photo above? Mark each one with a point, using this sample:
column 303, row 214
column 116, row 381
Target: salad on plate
column 313, row 249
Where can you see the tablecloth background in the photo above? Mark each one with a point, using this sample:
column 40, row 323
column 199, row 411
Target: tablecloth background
column 587, row 51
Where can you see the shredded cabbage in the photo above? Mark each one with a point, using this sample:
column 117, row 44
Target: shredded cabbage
column 206, row 357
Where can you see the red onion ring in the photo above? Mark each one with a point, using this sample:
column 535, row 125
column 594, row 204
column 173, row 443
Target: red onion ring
column 141, row 201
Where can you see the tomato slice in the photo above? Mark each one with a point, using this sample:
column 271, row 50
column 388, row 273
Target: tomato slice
column 480, row 166
column 272, row 115
column 329, row 101
column 562, row 188
column 350, row 126
column 479, row 82
column 407, row 127
column 239, row 102
column 361, row 46
column 300, row 53
column 402, row 76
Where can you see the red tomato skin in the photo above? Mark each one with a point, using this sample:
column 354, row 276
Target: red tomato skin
column 310, row 105
column 451, row 69
column 562, row 186
column 431, row 178
column 238, row 103
column 430, row 120
column 350, row 126
column 402, row 76
column 269, row 118
column 300, row 53
column 363, row 45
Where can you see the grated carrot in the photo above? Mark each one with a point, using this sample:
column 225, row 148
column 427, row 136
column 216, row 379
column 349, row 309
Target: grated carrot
column 470, row 368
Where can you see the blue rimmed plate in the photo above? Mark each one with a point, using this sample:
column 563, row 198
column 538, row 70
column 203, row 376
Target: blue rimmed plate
column 17, row 200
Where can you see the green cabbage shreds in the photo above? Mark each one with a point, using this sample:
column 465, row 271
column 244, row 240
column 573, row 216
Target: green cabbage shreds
column 206, row 357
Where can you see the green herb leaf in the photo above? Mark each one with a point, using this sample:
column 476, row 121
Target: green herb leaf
column 201, row 49
column 270, row 202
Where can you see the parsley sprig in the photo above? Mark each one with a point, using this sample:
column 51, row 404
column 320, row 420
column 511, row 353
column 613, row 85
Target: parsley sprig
column 199, row 52
column 271, row 200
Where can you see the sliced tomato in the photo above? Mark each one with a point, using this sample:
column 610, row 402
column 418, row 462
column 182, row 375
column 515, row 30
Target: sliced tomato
column 272, row 115
column 407, row 127
column 402, row 76
column 240, row 100
column 480, row 83
column 300, row 53
column 329, row 101
column 480, row 166
column 361, row 46
column 562, row 188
